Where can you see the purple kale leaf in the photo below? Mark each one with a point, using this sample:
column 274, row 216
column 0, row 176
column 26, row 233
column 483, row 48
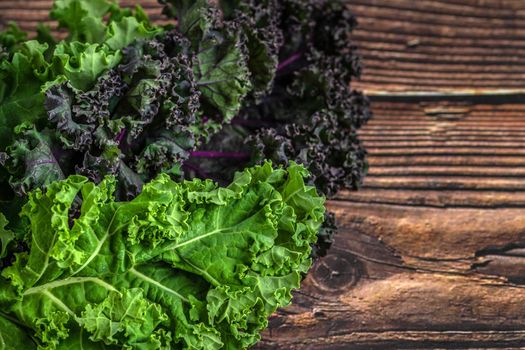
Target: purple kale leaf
column 307, row 111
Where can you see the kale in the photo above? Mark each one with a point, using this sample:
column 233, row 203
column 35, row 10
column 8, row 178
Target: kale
column 225, row 87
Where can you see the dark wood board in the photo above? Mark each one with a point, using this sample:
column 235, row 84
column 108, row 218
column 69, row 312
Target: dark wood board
column 431, row 252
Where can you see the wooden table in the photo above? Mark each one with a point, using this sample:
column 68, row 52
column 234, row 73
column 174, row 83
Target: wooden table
column 431, row 252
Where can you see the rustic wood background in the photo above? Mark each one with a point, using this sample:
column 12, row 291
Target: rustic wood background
column 431, row 252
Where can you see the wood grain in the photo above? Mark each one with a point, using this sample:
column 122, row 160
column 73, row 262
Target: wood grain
column 440, row 45
column 367, row 295
column 431, row 252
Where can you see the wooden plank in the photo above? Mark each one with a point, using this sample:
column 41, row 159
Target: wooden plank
column 430, row 151
column 414, row 15
column 498, row 9
column 436, row 138
column 430, row 253
column 436, row 198
column 439, row 46
column 404, row 277
column 445, row 160
column 447, row 182
column 468, row 171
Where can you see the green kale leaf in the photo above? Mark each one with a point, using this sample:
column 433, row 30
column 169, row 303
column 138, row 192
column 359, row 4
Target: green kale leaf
column 14, row 337
column 186, row 265
column 29, row 68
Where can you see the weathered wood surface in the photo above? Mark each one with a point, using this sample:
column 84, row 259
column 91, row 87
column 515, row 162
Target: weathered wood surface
column 431, row 252
column 441, row 45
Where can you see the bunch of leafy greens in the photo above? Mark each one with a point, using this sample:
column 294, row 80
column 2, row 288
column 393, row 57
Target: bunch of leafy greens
column 185, row 265
column 303, row 108
column 144, row 116
column 104, row 245
column 93, row 45
column 269, row 76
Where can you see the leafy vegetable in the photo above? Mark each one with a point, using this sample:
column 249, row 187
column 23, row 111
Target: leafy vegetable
column 112, row 249
column 311, row 115
column 11, row 38
column 13, row 337
column 29, row 68
column 307, row 113
column 268, row 76
column 183, row 265
column 168, row 95
column 140, row 118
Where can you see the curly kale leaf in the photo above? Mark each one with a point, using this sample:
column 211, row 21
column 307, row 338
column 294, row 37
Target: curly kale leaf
column 306, row 111
column 184, row 265
column 21, row 78
column 262, row 38
column 310, row 114
column 29, row 68
column 10, row 39
column 222, row 75
column 83, row 19
column 222, row 62
column 85, row 22
column 32, row 160
column 12, row 336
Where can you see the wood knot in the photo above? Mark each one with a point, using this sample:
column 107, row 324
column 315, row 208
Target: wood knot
column 318, row 314
column 335, row 272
